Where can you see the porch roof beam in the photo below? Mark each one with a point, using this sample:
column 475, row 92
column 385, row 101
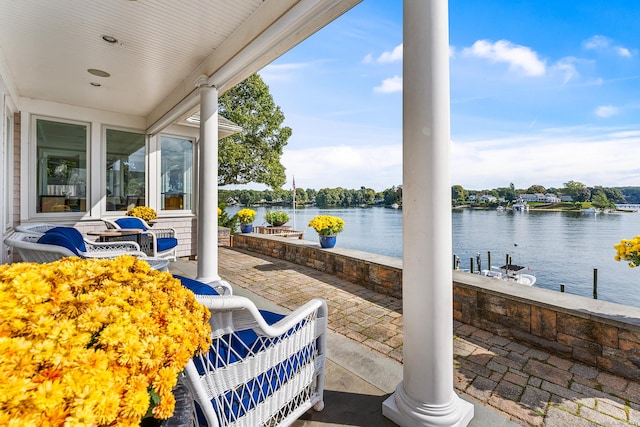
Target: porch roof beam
column 296, row 24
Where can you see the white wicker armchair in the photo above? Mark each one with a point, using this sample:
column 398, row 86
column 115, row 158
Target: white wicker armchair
column 263, row 369
column 156, row 242
column 36, row 227
column 31, row 250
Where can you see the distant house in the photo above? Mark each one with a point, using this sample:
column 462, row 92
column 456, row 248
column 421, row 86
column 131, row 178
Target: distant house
column 472, row 197
column 539, row 197
column 551, row 198
column 566, row 199
column 487, row 198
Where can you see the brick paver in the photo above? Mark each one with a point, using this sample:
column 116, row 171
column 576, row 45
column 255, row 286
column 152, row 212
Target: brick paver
column 532, row 386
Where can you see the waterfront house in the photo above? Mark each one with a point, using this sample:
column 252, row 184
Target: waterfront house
column 98, row 113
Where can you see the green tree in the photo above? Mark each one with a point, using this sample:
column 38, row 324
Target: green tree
column 534, row 189
column 577, row 190
column 614, row 195
column 252, row 155
column 458, row 194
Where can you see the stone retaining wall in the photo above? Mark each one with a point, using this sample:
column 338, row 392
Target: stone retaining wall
column 379, row 273
column 596, row 333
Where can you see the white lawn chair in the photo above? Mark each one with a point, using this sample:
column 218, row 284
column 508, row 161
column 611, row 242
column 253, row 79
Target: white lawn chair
column 160, row 242
column 262, row 369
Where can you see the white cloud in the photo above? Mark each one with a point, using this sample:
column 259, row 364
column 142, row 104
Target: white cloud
column 519, row 58
column 368, row 59
column 393, row 56
column 597, row 42
column 377, row 167
column 606, row 111
column 566, row 66
column 282, row 72
column 549, row 158
column 390, row 85
column 603, row 43
column 623, row 51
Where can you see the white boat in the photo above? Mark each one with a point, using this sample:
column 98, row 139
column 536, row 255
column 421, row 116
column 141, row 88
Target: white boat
column 520, row 206
column 395, row 206
column 590, row 211
column 511, row 273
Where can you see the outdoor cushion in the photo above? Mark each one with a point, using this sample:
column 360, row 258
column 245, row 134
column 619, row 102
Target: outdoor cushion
column 67, row 237
column 131, row 222
column 165, row 243
column 195, row 286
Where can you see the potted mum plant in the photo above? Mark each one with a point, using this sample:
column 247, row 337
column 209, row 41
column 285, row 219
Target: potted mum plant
column 276, row 218
column 628, row 250
column 145, row 213
column 95, row 342
column 246, row 217
column 327, row 227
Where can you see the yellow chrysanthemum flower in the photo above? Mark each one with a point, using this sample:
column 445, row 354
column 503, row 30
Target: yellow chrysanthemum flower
column 246, row 216
column 83, row 341
column 143, row 212
column 327, row 225
column 628, row 250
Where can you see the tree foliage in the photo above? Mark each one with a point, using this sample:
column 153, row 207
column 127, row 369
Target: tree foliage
column 252, row 155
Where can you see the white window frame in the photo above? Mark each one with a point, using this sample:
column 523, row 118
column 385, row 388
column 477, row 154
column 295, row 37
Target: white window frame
column 103, row 168
column 194, row 176
column 33, row 170
column 6, row 165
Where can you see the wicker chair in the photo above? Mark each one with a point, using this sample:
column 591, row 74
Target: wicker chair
column 60, row 242
column 159, row 242
column 36, row 227
column 263, row 368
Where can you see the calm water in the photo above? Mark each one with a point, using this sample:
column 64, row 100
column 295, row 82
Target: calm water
column 558, row 247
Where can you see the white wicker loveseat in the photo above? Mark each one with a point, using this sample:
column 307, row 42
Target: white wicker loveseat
column 263, row 368
column 60, row 242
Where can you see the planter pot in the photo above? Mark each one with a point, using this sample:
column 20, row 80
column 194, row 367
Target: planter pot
column 278, row 223
column 246, row 228
column 327, row 242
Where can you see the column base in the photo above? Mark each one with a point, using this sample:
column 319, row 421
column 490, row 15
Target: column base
column 410, row 413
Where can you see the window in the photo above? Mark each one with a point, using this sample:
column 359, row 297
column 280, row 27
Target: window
column 8, row 170
column 126, row 173
column 61, row 175
column 176, row 173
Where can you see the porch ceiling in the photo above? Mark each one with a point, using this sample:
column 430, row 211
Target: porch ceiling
column 46, row 47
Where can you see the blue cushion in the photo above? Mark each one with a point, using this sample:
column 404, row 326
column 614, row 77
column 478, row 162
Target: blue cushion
column 231, row 349
column 67, row 237
column 58, row 240
column 166, row 243
column 196, row 287
column 131, row 222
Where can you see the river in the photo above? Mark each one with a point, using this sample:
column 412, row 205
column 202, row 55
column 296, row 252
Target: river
column 558, row 247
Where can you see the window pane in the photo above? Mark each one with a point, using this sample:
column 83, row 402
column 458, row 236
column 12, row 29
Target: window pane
column 176, row 173
column 125, row 170
column 8, row 152
column 62, row 166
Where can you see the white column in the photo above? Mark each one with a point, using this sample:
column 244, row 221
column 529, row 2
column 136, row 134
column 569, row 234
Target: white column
column 426, row 396
column 208, row 183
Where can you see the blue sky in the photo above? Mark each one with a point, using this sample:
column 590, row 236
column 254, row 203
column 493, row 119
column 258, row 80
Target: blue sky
column 541, row 93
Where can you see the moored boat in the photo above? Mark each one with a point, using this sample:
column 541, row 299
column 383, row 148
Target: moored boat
column 511, row 273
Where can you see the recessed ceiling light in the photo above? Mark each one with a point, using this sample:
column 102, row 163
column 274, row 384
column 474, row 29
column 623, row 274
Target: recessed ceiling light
column 98, row 73
column 110, row 39
column 95, row 84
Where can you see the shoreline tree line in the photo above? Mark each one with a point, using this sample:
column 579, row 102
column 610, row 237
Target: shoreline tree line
column 598, row 196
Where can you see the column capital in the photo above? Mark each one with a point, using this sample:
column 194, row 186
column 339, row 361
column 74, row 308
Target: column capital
column 201, row 80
